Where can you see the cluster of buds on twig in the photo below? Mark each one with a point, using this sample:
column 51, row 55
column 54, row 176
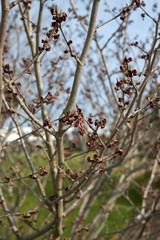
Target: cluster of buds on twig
column 124, row 13
column 125, row 68
column 127, row 9
column 118, row 151
column 30, row 213
column 134, row 43
column 12, row 93
column 25, row 63
column 27, row 3
column 75, row 119
column 6, row 69
column 56, row 24
column 53, row 33
column 79, row 230
column 48, row 99
column 42, row 172
column 144, row 56
column 71, row 176
column 98, row 122
column 47, row 123
column 7, row 179
column 138, row 3
column 152, row 102
column 96, row 159
column 112, row 144
column 71, row 146
column 100, row 163
column 126, row 85
column 101, row 123
column 45, row 45
column 93, row 141
column 58, row 19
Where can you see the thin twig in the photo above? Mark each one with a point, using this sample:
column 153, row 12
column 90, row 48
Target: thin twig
column 14, row 3
column 26, row 69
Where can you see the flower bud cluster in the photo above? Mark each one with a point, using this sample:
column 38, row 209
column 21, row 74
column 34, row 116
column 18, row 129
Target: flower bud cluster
column 153, row 102
column 124, row 13
column 49, row 99
column 112, row 144
column 53, row 33
column 118, row 151
column 45, row 45
column 139, row 3
column 47, row 123
column 93, row 141
column 126, row 84
column 96, row 159
column 6, row 69
column 75, row 119
column 71, row 117
column 27, row 3
column 100, row 123
column 126, row 10
column 58, row 19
